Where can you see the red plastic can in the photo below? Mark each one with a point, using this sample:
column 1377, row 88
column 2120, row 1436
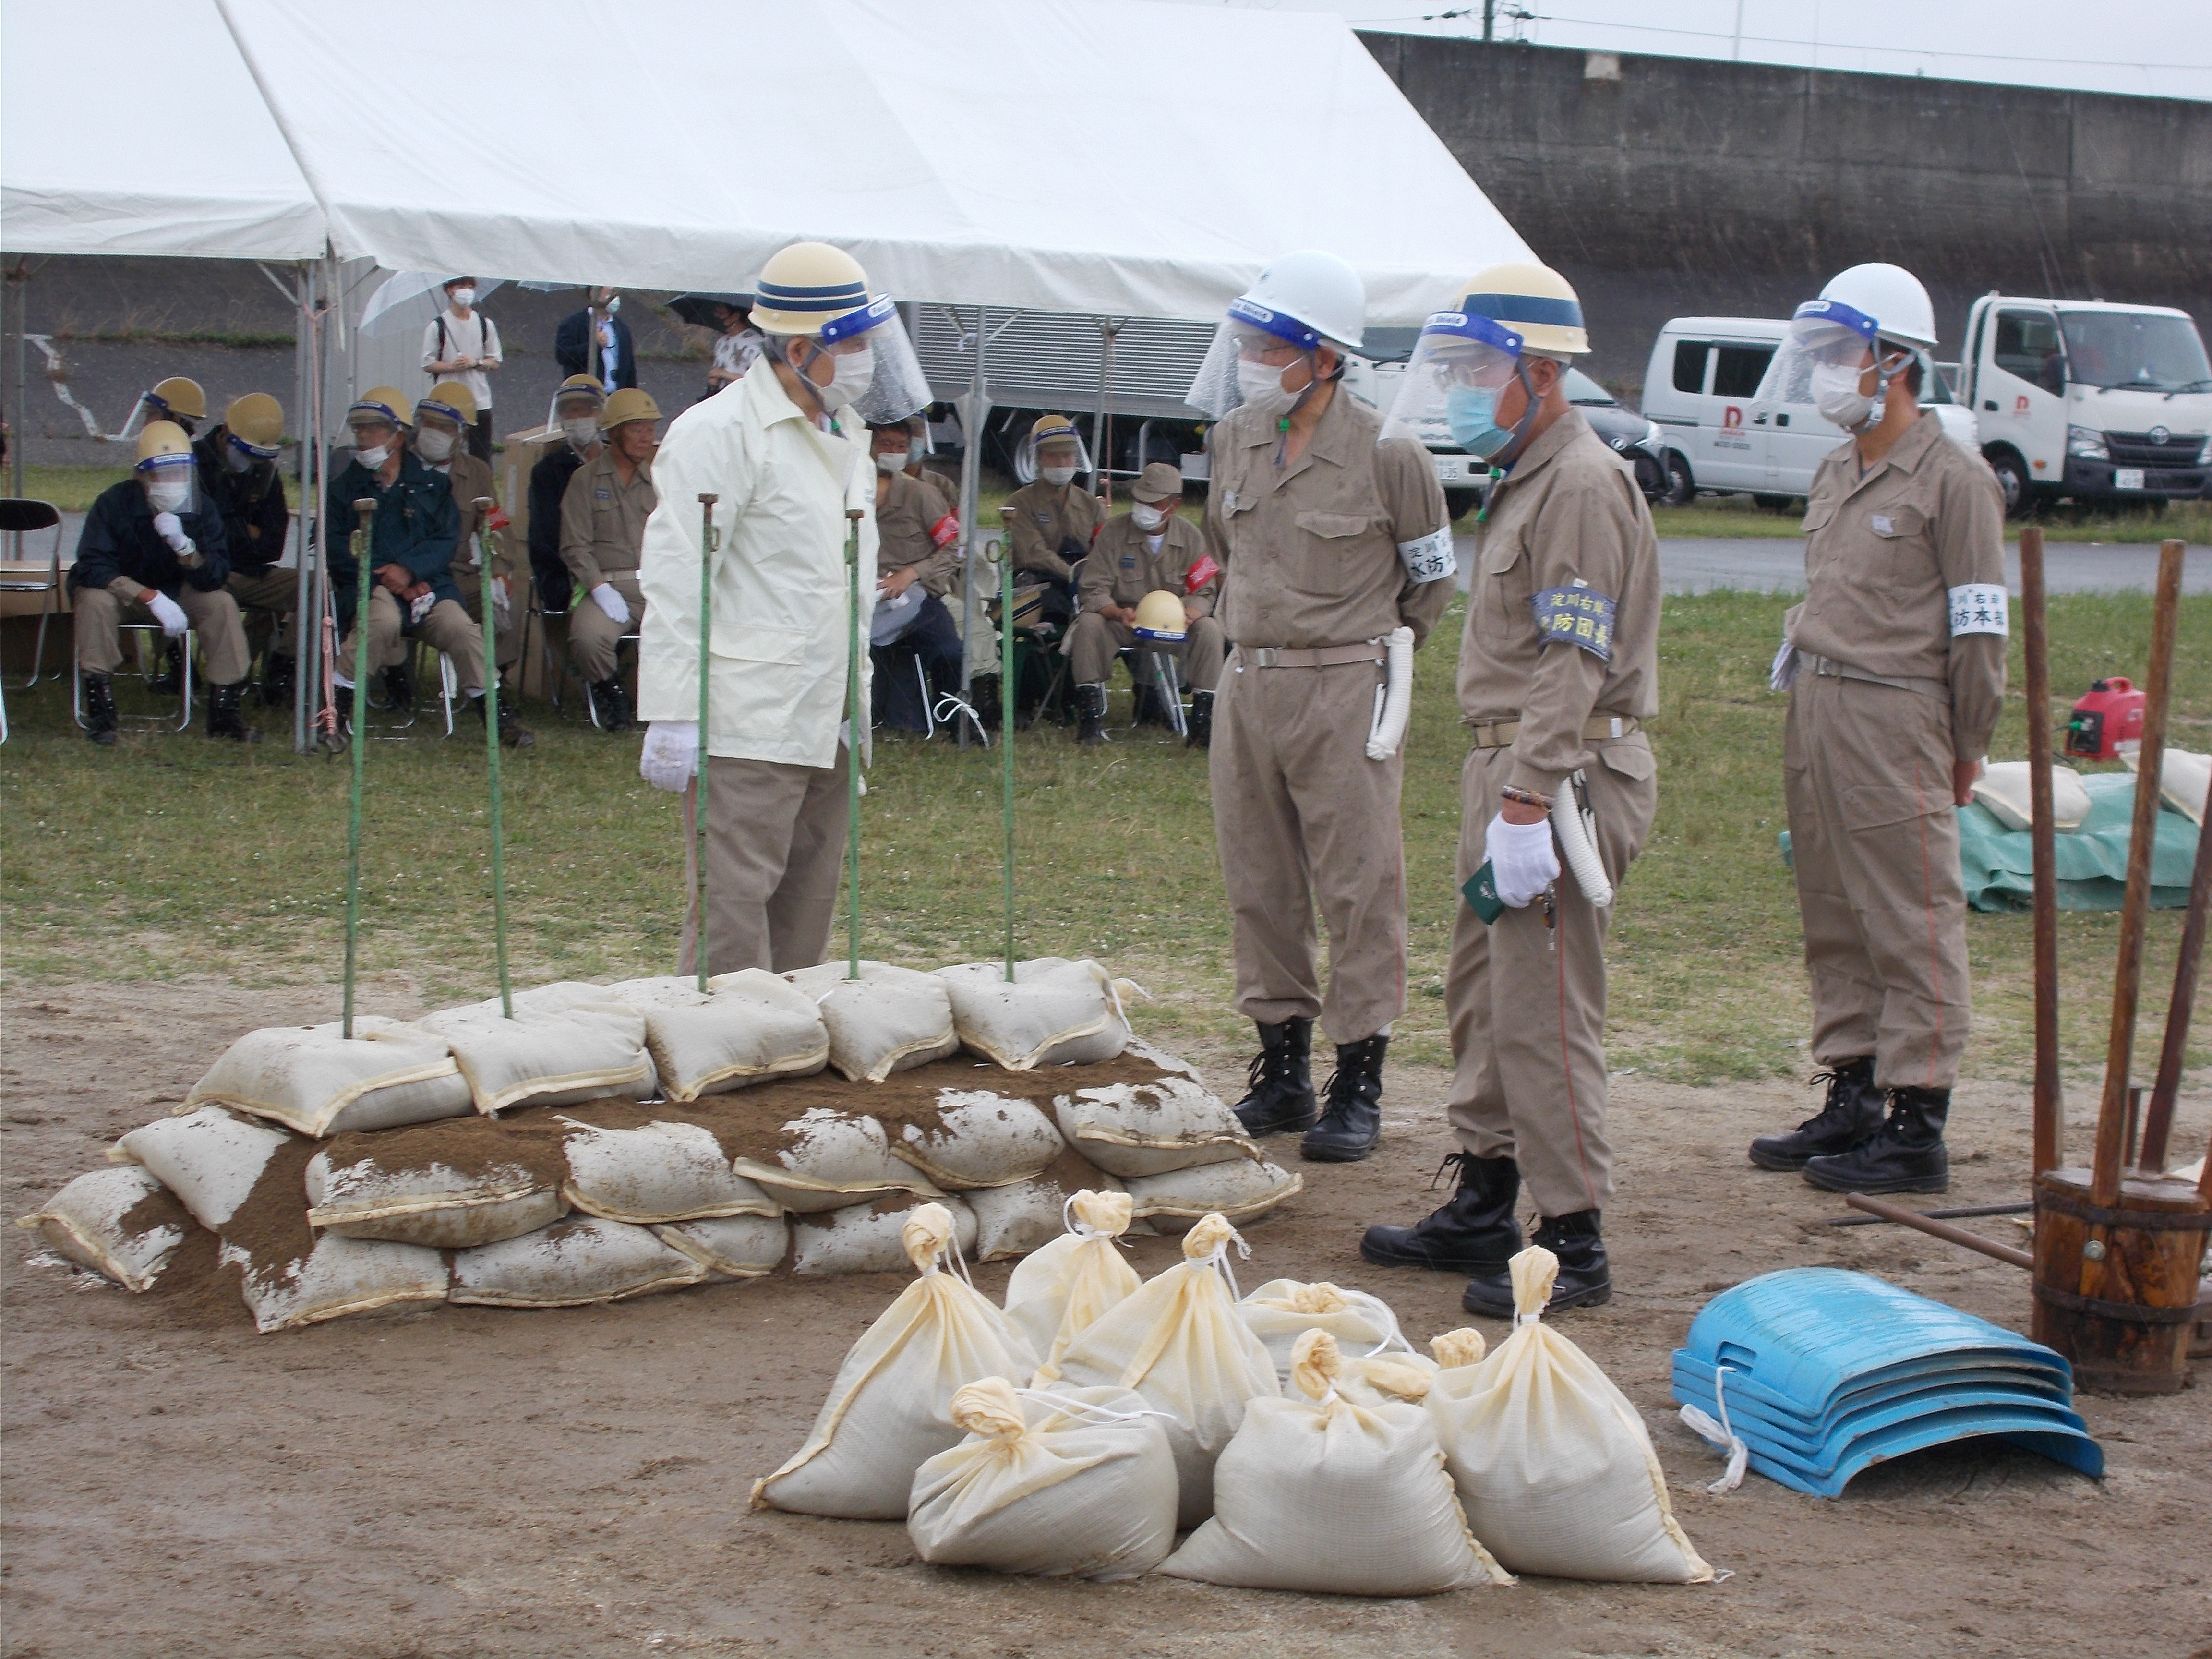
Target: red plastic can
column 2108, row 720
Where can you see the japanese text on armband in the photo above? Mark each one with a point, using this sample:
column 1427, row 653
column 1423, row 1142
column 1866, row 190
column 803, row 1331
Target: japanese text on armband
column 1577, row 615
column 1430, row 558
column 1978, row 608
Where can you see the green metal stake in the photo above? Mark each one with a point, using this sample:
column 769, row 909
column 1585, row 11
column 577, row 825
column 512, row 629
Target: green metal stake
column 710, row 542
column 484, row 508
column 1006, row 713
column 853, row 728
column 363, row 509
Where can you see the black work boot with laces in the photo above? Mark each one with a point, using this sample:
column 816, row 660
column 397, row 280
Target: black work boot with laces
column 1280, row 1081
column 1905, row 1155
column 1200, row 724
column 99, row 709
column 1351, row 1124
column 278, row 677
column 1851, row 1113
column 1090, row 715
column 513, row 734
column 1474, row 1233
column 398, row 689
column 224, row 720
column 1584, row 1280
column 607, row 702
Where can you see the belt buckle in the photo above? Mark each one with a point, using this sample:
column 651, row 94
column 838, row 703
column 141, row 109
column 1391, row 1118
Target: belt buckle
column 1263, row 656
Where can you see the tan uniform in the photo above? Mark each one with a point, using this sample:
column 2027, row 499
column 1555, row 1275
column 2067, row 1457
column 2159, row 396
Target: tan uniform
column 1313, row 582
column 905, row 514
column 775, row 835
column 446, row 628
column 602, row 530
column 1895, row 682
column 1044, row 517
column 1121, row 570
column 470, row 481
column 220, row 652
column 1526, row 1002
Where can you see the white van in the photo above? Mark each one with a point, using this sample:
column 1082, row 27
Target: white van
column 1701, row 389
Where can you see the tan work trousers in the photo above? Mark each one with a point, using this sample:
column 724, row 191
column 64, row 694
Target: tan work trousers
column 267, row 598
column 1093, row 641
column 101, row 611
column 594, row 641
column 1866, row 774
column 775, row 839
column 507, row 633
column 1302, row 817
column 1526, row 1002
column 447, row 628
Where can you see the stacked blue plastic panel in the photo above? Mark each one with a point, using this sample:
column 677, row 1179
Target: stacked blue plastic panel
column 1826, row 1373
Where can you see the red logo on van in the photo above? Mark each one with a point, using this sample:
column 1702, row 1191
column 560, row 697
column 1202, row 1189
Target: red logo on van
column 1731, row 416
column 2020, row 404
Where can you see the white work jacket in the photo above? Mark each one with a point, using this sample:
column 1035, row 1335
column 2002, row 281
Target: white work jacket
column 782, row 635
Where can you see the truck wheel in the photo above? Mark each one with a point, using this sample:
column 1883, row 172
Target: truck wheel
column 2012, row 479
column 1681, row 488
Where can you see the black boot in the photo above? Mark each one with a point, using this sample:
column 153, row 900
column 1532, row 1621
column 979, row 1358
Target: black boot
column 607, row 704
column 1851, row 1113
column 1202, row 721
column 1905, row 1155
column 1474, row 1233
column 223, row 719
column 170, row 682
column 279, row 675
column 1584, row 1281
column 399, row 689
column 513, row 734
column 1280, row 1079
column 1351, row 1125
column 1090, row 715
column 99, row 709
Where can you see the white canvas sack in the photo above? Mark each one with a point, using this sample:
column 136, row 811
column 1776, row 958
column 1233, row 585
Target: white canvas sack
column 571, row 1263
column 746, row 1028
column 1178, row 1342
column 119, row 1221
column 314, row 1079
column 336, row 1277
column 734, row 1246
column 889, row 1019
column 1379, row 1379
column 1025, row 1216
column 558, row 1050
column 1553, row 1463
column 890, row 1410
column 357, row 1193
column 658, row 1172
column 1076, row 1483
column 869, row 1238
column 1317, row 1494
column 834, row 1160
column 1132, row 1129
column 2005, row 789
column 208, row 1158
column 1053, row 1012
column 1243, row 1189
column 984, row 1139
column 1061, row 1291
column 1283, row 1309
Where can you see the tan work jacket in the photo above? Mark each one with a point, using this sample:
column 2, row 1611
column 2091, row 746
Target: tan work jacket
column 603, row 519
column 1121, row 568
column 1044, row 517
column 1563, row 608
column 1890, row 556
column 905, row 514
column 1310, row 549
column 469, row 479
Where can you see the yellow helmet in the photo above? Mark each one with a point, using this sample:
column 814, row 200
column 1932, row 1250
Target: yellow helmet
column 450, row 400
column 382, row 405
column 804, row 288
column 179, row 396
column 627, row 405
column 163, row 443
column 1535, row 301
column 256, row 424
column 578, row 385
column 1159, row 617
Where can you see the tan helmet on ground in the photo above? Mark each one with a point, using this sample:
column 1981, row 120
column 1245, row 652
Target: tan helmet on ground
column 450, row 400
column 382, row 405
column 804, row 288
column 256, row 424
column 627, row 405
column 179, row 396
column 1533, row 300
column 163, row 443
column 1160, row 618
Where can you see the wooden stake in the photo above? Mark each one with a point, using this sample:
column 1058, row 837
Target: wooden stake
column 2049, row 1101
column 2158, row 1113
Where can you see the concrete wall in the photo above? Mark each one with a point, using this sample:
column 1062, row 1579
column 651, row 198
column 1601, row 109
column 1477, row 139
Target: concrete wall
column 1664, row 185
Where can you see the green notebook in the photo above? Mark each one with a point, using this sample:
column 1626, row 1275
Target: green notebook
column 1481, row 893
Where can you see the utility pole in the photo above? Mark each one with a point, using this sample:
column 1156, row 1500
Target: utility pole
column 1489, row 19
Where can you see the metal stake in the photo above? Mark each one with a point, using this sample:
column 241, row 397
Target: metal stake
column 483, row 507
column 710, row 543
column 1006, row 713
column 853, row 729
column 363, row 510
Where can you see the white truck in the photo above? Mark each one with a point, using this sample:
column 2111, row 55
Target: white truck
column 2105, row 404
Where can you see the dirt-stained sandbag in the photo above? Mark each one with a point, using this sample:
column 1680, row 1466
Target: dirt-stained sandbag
column 829, row 1160
column 1132, row 1129
column 888, row 1020
column 571, row 1263
column 1245, row 1191
column 557, row 1050
column 119, row 1221
column 314, row 1080
column 447, row 1186
column 976, row 1138
column 209, row 1157
column 658, row 1172
column 1054, row 1012
column 746, row 1028
column 1028, row 1215
column 867, row 1238
column 734, row 1246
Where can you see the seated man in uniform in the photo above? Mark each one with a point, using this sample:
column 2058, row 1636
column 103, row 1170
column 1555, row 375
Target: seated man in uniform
column 1054, row 521
column 602, row 535
column 576, row 408
column 443, row 422
column 1148, row 549
column 238, row 477
column 914, row 561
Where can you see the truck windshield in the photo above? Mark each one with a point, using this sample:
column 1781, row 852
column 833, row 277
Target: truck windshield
column 2141, row 350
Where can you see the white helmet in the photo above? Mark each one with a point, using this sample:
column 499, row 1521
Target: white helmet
column 1891, row 297
column 1318, row 292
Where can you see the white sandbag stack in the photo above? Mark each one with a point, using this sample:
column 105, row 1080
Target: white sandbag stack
column 745, row 1028
column 890, row 1410
column 119, row 1221
column 869, row 1238
column 1075, row 1482
column 888, row 1020
column 316, row 1081
column 1052, row 1012
column 1060, row 1291
column 1027, row 1215
column 1317, row 1494
column 335, row 1277
column 1552, row 1461
column 373, row 1190
column 1243, row 1189
column 733, row 1246
column 657, row 1172
column 1283, row 1309
column 571, row 1264
column 567, row 1044
column 1138, row 1129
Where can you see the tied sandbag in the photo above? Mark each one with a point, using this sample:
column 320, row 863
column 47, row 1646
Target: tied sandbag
column 889, row 1019
column 559, row 1049
column 1026, row 1216
column 746, row 1028
column 1058, row 1292
column 1244, row 1190
column 869, row 1238
column 316, row 1080
column 1553, row 1463
column 570, row 1264
column 120, row 1222
column 734, row 1246
column 976, row 1138
column 890, row 1410
column 657, row 1172
column 1053, row 1012
column 1076, row 1483
column 2005, row 787
column 208, row 1158
column 447, row 1186
column 1283, row 1309
column 1379, row 1379
column 1178, row 1342
column 1318, row 1494
column 831, row 1160
column 1132, row 1129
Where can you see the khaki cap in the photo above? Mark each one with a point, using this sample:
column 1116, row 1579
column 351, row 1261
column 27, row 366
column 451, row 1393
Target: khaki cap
column 1160, row 481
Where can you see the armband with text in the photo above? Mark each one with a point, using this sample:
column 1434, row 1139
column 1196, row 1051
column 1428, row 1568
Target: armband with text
column 1575, row 615
column 1430, row 558
column 945, row 531
column 1979, row 608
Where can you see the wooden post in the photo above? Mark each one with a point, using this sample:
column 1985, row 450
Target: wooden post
column 2035, row 640
column 2158, row 1115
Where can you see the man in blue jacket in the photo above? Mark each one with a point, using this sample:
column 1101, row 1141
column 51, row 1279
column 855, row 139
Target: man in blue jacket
column 151, row 546
column 595, row 341
column 411, row 538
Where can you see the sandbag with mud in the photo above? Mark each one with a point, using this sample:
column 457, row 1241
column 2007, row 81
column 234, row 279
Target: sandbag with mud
column 1243, row 1189
column 734, row 1246
column 975, row 1138
column 572, row 1263
column 210, row 1159
column 867, row 1238
column 656, row 1171
column 745, row 1028
column 1056, row 1293
column 119, row 1221
column 888, row 1020
column 1052, row 1012
column 1135, row 1129
column 823, row 1159
column 446, row 1186
column 316, row 1080
column 567, row 1042
column 1027, row 1215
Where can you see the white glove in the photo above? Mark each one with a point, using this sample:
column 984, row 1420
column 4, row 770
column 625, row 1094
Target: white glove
column 171, row 529
column 616, row 606
column 168, row 612
column 671, row 754
column 421, row 606
column 499, row 601
column 1522, row 860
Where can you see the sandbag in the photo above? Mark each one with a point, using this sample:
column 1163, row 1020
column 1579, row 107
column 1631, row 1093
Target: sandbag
column 867, row 1238
column 1317, row 1494
column 1551, row 1462
column 888, row 1020
column 120, row 1222
column 1244, row 1190
column 1054, row 1012
column 1132, row 1129
column 659, row 1171
column 557, row 1050
column 1060, row 1291
column 336, row 1277
column 1283, row 1309
column 890, row 1410
column 1178, row 1342
column 2005, row 789
column 1027, row 1215
column 746, row 1028
column 1077, row 1483
column 1379, row 1379
column 314, row 1080
column 830, row 1161
column 734, row 1246
column 2184, row 780
column 208, row 1158
column 584, row 1260
column 977, row 1138
column 446, row 1186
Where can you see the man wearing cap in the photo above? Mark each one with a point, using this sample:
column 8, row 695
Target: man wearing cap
column 443, row 420
column 916, row 552
column 236, row 464
column 1332, row 536
column 602, row 518
column 1053, row 520
column 1559, row 670
column 461, row 343
column 576, row 407
column 1148, row 550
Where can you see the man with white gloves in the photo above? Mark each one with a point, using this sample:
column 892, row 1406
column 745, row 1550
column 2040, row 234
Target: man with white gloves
column 604, row 514
column 786, row 451
column 1559, row 668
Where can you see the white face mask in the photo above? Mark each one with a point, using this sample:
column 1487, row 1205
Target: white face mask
column 1148, row 519
column 856, row 370
column 892, row 461
column 1057, row 477
column 1835, row 394
column 581, row 432
column 1261, row 385
column 614, row 305
column 172, row 497
column 434, row 445
column 463, row 298
column 374, row 459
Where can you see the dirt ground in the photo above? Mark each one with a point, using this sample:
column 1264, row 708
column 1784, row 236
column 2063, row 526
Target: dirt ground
column 474, row 1481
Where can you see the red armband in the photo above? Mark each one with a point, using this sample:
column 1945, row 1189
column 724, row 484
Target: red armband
column 1200, row 573
column 945, row 531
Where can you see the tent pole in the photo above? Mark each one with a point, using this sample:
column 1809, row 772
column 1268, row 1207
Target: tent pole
column 303, row 381
column 971, row 476
column 1100, row 430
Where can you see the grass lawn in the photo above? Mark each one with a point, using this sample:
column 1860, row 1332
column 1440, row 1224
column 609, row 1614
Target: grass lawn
column 1732, row 516
column 169, row 857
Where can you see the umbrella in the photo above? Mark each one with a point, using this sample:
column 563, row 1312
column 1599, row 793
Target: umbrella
column 410, row 299
column 698, row 309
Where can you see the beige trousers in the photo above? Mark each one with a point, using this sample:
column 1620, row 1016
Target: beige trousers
column 594, row 642
column 269, row 600
column 447, row 628
column 775, row 841
column 101, row 613
column 1093, row 641
column 1866, row 773
column 1526, row 1002
column 507, row 636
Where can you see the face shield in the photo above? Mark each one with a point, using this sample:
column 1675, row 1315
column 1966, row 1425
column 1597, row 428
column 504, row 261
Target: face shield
column 877, row 370
column 1447, row 396
column 172, row 482
column 1826, row 338
column 1246, row 362
column 1057, row 457
column 240, row 456
column 437, row 438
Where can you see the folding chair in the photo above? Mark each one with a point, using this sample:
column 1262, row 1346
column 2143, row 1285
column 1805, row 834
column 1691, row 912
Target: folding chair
column 149, row 668
column 20, row 516
column 591, row 706
column 1165, row 670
